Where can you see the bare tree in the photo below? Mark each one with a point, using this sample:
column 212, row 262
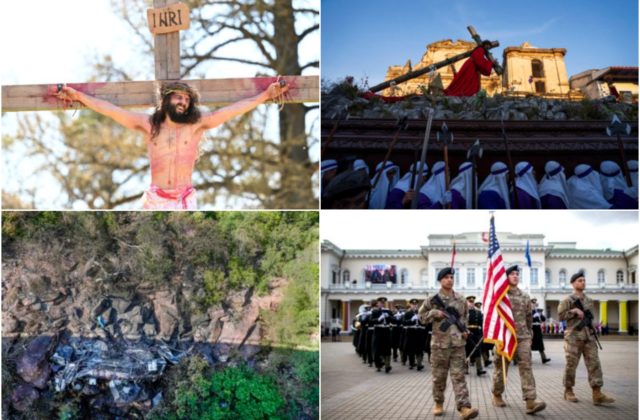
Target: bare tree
column 95, row 161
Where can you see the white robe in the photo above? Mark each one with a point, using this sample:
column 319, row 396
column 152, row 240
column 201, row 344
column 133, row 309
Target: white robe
column 435, row 188
column 404, row 182
column 526, row 181
column 462, row 183
column 360, row 164
column 383, row 186
column 497, row 181
column 585, row 189
column 554, row 182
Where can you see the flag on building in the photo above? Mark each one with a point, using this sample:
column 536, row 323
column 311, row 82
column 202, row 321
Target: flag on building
column 453, row 254
column 498, row 327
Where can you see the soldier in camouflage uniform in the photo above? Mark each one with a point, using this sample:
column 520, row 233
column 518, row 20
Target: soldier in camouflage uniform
column 579, row 340
column 521, row 308
column 447, row 347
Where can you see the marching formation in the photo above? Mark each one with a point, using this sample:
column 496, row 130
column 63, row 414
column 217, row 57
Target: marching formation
column 380, row 334
column 450, row 330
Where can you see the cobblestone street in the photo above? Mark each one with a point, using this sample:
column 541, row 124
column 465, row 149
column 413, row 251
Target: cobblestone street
column 352, row 390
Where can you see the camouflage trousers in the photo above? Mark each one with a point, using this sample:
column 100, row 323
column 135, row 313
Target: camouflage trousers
column 449, row 360
column 523, row 354
column 573, row 349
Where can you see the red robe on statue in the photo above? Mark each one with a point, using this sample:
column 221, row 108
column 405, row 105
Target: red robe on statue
column 467, row 81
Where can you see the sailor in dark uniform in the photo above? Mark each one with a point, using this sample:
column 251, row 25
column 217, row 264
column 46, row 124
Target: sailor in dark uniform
column 474, row 347
column 486, row 347
column 381, row 344
column 368, row 336
column 396, row 331
column 414, row 337
column 358, row 328
column 537, row 343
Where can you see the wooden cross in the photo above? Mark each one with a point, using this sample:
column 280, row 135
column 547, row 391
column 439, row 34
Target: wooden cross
column 213, row 92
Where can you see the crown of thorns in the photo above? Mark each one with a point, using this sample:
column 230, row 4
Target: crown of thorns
column 173, row 87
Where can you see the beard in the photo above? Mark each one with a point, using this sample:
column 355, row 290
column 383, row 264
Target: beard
column 179, row 117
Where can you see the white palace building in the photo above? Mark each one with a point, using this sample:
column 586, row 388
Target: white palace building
column 351, row 277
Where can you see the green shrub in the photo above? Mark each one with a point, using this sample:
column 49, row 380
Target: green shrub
column 214, row 288
column 232, row 393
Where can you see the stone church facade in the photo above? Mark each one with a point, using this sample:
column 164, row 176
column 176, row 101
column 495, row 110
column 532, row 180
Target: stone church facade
column 528, row 71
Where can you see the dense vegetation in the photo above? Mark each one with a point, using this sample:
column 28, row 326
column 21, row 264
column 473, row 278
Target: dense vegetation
column 218, row 251
column 216, row 254
column 286, row 389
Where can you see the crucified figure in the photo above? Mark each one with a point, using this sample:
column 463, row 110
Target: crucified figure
column 172, row 135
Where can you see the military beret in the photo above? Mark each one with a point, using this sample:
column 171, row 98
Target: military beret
column 478, row 304
column 471, row 298
column 413, row 301
column 513, row 268
column 534, row 300
column 382, row 299
column 445, row 272
column 577, row 276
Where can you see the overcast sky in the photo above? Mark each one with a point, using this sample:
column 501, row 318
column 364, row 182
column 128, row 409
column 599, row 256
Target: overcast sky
column 403, row 229
column 362, row 38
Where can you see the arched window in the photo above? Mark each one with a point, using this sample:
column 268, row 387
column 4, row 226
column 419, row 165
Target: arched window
column 619, row 277
column 547, row 277
column 562, row 277
column 404, row 276
column 537, row 69
column 345, row 276
column 601, row 279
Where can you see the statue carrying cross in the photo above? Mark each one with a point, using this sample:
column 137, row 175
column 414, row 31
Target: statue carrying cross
column 173, row 132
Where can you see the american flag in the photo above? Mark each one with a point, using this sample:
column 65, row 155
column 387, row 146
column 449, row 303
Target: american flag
column 498, row 327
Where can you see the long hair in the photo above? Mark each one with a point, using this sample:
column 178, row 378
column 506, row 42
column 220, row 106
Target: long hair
column 192, row 114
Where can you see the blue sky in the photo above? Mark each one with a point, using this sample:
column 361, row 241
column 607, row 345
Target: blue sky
column 362, row 38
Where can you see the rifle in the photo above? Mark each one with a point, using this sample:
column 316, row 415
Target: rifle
column 587, row 321
column 452, row 317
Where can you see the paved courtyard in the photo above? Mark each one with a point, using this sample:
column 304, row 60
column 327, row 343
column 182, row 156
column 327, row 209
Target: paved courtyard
column 352, row 390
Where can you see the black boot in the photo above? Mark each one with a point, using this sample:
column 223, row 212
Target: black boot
column 481, row 372
column 544, row 358
column 387, row 369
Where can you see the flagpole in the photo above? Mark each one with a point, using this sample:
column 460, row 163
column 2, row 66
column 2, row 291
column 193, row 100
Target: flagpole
column 504, row 373
column 453, row 253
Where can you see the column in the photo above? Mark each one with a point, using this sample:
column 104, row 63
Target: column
column 622, row 316
column 347, row 321
column 343, row 314
column 603, row 312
